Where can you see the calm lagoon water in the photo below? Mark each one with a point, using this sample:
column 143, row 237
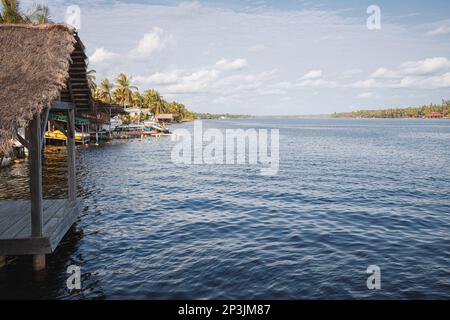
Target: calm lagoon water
column 349, row 194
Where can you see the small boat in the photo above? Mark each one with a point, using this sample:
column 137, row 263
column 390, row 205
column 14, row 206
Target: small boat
column 55, row 135
column 130, row 128
column 59, row 135
column 153, row 125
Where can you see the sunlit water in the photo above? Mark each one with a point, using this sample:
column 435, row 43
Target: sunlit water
column 349, row 194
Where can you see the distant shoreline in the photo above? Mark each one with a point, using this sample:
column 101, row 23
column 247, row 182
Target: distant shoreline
column 312, row 117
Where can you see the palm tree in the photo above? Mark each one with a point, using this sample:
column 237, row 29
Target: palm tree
column 11, row 13
column 124, row 91
column 38, row 14
column 137, row 100
column 154, row 101
column 92, row 77
column 104, row 91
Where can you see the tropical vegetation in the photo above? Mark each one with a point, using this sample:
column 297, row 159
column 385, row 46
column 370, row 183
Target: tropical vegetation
column 411, row 112
column 11, row 12
column 122, row 92
column 220, row 116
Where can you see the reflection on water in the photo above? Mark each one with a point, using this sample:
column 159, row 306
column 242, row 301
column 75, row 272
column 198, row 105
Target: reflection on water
column 14, row 180
column 350, row 193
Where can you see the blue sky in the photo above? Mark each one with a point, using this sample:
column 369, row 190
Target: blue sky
column 272, row 57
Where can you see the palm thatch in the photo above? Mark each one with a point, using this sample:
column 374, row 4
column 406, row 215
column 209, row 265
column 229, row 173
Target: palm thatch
column 34, row 68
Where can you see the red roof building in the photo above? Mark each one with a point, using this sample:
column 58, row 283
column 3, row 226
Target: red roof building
column 435, row 115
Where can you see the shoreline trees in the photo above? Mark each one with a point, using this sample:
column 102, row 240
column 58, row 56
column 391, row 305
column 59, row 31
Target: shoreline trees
column 122, row 92
column 411, row 112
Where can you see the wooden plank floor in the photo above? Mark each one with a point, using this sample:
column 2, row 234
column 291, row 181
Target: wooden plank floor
column 15, row 226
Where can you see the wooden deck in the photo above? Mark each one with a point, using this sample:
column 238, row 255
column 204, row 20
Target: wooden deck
column 15, row 226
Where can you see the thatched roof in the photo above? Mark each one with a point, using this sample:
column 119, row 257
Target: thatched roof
column 34, row 69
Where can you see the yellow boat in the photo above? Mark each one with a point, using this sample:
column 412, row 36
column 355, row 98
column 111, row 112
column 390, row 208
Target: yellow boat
column 59, row 135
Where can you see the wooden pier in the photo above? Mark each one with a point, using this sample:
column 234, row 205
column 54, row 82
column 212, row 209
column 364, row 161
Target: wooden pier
column 15, row 226
column 35, row 227
column 54, row 80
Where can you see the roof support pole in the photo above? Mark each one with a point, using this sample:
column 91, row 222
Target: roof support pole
column 71, row 169
column 39, row 262
column 44, row 124
column 36, row 176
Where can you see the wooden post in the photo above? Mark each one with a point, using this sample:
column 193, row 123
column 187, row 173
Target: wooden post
column 36, row 186
column 71, row 155
column 39, row 262
column 36, row 176
column 2, row 261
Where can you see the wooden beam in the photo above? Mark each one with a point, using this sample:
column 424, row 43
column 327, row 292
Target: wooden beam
column 71, row 168
column 71, row 155
column 2, row 261
column 39, row 262
column 44, row 125
column 61, row 105
column 36, row 176
column 24, row 142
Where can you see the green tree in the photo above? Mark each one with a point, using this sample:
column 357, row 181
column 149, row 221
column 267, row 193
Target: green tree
column 137, row 100
column 92, row 78
column 154, row 102
column 11, row 12
column 179, row 109
column 123, row 94
column 36, row 14
column 104, row 91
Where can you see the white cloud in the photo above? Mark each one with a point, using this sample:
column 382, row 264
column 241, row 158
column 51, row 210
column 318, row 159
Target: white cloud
column 365, row 84
column 181, row 82
column 313, row 79
column 156, row 40
column 319, row 83
column 436, row 82
column 211, row 80
column 425, row 67
column 313, row 74
column 210, row 32
column 199, row 81
column 101, row 56
column 160, row 78
column 227, row 65
column 442, row 30
column 422, row 74
column 365, row 95
column 384, row 73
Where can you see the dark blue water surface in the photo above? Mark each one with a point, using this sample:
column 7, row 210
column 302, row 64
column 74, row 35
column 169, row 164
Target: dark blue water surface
column 349, row 194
